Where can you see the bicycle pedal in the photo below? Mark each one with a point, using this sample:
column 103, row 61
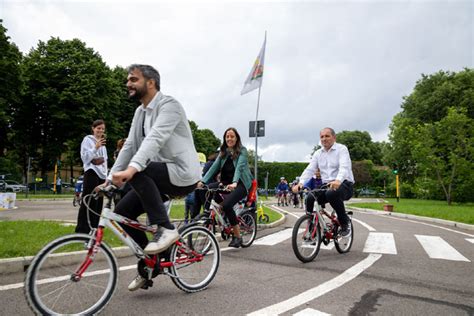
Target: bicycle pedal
column 148, row 284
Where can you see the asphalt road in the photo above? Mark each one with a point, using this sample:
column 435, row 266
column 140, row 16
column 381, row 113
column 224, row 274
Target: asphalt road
column 395, row 267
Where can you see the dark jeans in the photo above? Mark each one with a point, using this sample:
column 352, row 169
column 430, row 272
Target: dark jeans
column 149, row 189
column 334, row 197
column 91, row 181
column 230, row 200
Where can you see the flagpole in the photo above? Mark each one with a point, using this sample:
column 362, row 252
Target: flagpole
column 256, row 134
column 256, row 131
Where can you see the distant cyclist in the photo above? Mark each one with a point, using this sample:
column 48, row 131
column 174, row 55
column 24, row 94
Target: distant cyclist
column 283, row 189
column 334, row 163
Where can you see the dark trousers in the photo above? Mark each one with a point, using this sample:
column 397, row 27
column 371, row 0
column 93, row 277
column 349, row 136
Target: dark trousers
column 149, row 188
column 229, row 200
column 334, row 197
column 91, row 181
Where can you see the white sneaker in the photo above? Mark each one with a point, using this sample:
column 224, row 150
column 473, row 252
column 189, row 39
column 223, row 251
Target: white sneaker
column 137, row 283
column 162, row 239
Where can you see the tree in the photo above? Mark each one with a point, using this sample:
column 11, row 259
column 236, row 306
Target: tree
column 205, row 140
column 10, row 86
column 445, row 153
column 360, row 146
column 426, row 138
column 68, row 87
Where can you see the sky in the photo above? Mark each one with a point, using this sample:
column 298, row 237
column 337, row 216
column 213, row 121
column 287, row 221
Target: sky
column 341, row 64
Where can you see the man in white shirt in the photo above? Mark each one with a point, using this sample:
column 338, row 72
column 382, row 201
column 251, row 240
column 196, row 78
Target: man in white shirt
column 334, row 163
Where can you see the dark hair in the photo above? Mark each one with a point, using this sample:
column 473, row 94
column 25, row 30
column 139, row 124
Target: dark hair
column 237, row 147
column 148, row 72
column 97, row 123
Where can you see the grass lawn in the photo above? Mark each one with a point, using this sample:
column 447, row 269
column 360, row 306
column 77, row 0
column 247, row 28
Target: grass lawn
column 463, row 213
column 26, row 238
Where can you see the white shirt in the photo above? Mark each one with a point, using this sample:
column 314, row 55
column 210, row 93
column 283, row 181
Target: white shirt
column 334, row 164
column 149, row 114
column 89, row 152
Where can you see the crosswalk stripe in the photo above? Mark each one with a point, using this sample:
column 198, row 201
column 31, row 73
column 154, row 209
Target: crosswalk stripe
column 311, row 312
column 471, row 240
column 438, row 248
column 380, row 243
column 273, row 239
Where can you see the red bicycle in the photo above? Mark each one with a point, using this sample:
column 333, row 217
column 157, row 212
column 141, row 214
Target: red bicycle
column 318, row 227
column 77, row 274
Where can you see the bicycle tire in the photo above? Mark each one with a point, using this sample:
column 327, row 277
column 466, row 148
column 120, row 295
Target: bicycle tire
column 305, row 247
column 74, row 202
column 263, row 218
column 344, row 244
column 248, row 228
column 50, row 289
column 194, row 276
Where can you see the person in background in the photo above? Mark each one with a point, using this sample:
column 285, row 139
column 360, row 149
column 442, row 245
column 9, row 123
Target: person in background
column 58, row 185
column 235, row 175
column 189, row 207
column 200, row 195
column 94, row 159
column 120, row 143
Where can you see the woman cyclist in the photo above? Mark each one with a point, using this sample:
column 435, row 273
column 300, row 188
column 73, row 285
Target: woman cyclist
column 232, row 164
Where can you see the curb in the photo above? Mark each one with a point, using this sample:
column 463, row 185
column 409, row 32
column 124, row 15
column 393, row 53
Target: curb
column 409, row 216
column 21, row 264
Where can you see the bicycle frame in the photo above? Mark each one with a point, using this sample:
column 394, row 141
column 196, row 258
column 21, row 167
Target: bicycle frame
column 325, row 226
column 112, row 220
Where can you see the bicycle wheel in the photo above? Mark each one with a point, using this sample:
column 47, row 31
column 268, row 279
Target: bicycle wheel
column 344, row 244
column 306, row 239
column 248, row 228
column 50, row 287
column 263, row 218
column 196, row 260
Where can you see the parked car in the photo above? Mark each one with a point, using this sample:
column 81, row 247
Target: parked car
column 366, row 192
column 12, row 186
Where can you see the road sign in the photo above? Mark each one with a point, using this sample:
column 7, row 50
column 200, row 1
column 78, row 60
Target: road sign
column 260, row 129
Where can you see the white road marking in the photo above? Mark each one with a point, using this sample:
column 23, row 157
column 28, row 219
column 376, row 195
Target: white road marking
column 329, row 246
column 380, row 243
column 369, row 228
column 320, row 290
column 445, row 228
column 62, row 278
column 286, row 212
column 273, row 239
column 438, row 248
column 471, row 240
column 311, row 312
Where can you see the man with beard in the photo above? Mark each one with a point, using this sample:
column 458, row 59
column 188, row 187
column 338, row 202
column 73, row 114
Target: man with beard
column 157, row 159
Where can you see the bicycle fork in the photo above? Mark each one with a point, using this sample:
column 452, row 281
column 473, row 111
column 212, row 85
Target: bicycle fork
column 93, row 246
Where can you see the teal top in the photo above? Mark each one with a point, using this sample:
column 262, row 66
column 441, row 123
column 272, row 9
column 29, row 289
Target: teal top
column 242, row 171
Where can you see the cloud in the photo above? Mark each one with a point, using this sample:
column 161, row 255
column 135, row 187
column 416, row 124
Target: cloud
column 341, row 64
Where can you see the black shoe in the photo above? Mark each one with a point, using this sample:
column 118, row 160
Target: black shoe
column 345, row 231
column 236, row 242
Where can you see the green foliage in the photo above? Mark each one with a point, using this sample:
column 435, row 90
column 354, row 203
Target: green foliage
column 431, row 139
column 289, row 170
column 360, row 146
column 204, row 139
column 10, row 86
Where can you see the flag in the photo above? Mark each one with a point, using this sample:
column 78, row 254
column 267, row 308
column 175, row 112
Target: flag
column 255, row 77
